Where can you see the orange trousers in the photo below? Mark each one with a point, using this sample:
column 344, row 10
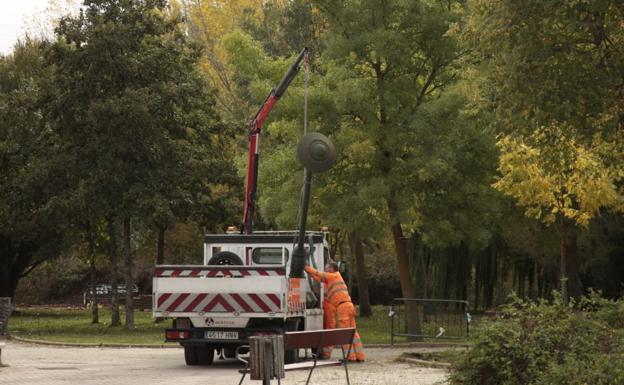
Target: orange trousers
column 329, row 322
column 346, row 319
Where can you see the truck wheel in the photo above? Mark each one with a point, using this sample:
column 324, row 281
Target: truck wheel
column 190, row 355
column 225, row 258
column 205, row 355
column 229, row 353
column 290, row 356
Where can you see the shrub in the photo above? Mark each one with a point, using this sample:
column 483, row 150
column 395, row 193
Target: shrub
column 540, row 343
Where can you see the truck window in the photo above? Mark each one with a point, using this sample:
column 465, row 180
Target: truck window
column 269, row 255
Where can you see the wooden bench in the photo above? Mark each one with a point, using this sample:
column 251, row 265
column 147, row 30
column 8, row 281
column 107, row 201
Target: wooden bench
column 315, row 340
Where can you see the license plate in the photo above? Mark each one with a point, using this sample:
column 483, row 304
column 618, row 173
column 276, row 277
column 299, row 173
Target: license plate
column 220, row 335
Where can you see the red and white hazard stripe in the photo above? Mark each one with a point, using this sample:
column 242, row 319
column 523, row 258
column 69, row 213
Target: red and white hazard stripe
column 219, row 272
column 219, row 303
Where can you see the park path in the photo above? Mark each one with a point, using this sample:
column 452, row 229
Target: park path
column 42, row 365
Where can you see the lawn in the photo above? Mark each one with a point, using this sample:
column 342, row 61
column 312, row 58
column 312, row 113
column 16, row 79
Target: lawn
column 74, row 325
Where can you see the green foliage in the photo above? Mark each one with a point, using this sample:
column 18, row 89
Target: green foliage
column 553, row 176
column 546, row 343
column 32, row 220
column 410, row 142
column 608, row 311
column 548, row 75
column 54, row 281
column 550, row 71
column 287, row 27
column 377, row 92
column 134, row 112
column 550, row 61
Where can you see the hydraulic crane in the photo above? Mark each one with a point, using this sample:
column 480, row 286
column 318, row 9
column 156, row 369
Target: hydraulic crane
column 254, row 140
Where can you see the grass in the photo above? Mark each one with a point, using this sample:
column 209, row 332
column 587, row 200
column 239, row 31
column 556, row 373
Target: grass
column 74, row 325
column 375, row 329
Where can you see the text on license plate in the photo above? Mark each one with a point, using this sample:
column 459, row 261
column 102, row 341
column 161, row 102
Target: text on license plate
column 220, row 335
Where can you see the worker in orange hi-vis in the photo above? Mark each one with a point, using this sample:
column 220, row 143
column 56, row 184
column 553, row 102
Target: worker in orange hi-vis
column 337, row 295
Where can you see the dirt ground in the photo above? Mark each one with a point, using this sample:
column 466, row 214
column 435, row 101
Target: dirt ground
column 42, row 365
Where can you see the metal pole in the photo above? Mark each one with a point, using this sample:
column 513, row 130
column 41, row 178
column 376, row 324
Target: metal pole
column 299, row 253
column 307, row 187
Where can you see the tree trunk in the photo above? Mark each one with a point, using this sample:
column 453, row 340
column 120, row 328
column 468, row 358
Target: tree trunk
column 477, row 280
column 112, row 254
column 464, row 280
column 491, row 275
column 95, row 316
column 563, row 271
column 340, row 249
column 448, row 266
column 569, row 268
column 160, row 252
column 532, row 270
column 405, row 278
column 335, row 241
column 15, row 263
column 541, row 276
column 128, row 274
column 358, row 252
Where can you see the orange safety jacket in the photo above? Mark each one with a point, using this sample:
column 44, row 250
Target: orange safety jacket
column 336, row 291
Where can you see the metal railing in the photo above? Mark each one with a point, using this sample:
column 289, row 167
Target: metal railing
column 431, row 318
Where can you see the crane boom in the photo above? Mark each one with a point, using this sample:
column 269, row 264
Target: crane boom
column 255, row 126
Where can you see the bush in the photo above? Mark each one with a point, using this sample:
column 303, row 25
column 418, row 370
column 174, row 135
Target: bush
column 547, row 344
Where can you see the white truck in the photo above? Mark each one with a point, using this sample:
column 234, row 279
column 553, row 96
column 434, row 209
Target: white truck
column 250, row 283
column 242, row 289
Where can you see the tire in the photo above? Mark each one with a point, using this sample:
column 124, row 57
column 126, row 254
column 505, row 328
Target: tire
column 225, row 258
column 317, row 352
column 190, row 355
column 205, row 355
column 290, row 356
column 229, row 352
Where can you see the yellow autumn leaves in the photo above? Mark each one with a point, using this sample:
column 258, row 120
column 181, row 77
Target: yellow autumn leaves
column 554, row 174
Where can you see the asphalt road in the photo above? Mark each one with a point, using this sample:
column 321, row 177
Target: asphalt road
column 42, row 365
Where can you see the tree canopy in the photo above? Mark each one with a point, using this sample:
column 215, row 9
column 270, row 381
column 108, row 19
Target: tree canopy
column 479, row 142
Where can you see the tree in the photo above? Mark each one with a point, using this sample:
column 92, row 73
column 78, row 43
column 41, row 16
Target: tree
column 135, row 114
column 32, row 219
column 287, row 27
column 563, row 183
column 403, row 153
column 551, row 74
column 208, row 22
column 394, row 63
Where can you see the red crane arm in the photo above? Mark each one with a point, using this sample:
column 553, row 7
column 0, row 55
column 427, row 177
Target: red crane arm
column 254, row 140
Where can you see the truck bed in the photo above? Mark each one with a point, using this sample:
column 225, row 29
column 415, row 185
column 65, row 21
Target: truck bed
column 247, row 291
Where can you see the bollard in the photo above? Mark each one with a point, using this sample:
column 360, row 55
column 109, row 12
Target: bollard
column 266, row 358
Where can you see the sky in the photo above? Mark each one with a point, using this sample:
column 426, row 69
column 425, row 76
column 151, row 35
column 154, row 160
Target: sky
column 19, row 16
column 13, row 15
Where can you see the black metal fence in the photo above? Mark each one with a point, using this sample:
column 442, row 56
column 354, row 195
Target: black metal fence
column 431, row 318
